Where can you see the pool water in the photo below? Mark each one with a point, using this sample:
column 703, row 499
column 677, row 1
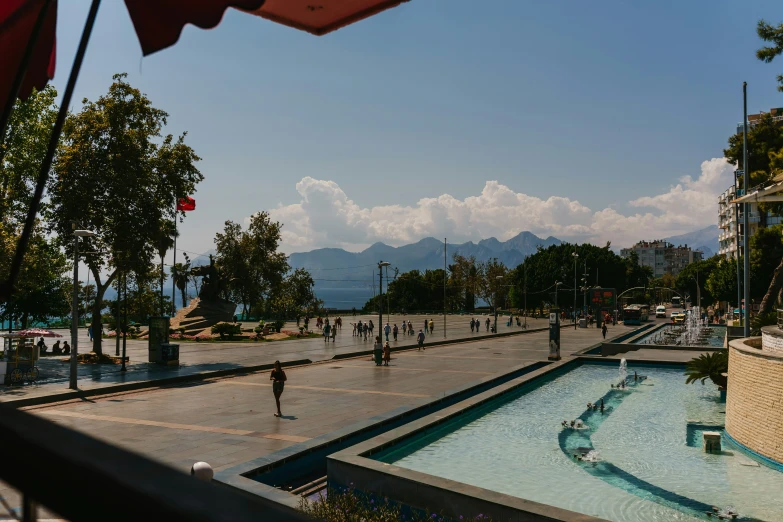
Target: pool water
column 650, row 466
column 715, row 337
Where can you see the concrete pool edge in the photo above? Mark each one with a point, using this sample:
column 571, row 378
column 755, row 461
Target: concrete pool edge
column 411, row 488
column 355, row 464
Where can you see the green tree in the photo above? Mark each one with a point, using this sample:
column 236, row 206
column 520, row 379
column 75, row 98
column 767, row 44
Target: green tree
column 116, row 175
column 722, row 281
column 773, row 34
column 766, row 252
column 42, row 289
column 22, row 149
column 694, row 277
column 764, row 138
column 295, row 294
column 180, row 272
column 251, row 265
column 493, row 282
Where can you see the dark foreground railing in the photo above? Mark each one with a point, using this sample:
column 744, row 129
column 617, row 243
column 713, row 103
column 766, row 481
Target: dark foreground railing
column 81, row 478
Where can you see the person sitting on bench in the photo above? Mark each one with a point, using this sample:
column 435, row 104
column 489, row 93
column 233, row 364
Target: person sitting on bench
column 56, row 350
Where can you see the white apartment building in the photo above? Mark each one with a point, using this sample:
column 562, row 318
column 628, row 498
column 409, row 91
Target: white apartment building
column 729, row 219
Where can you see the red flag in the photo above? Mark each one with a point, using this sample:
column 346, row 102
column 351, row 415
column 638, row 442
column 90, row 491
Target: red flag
column 186, row 204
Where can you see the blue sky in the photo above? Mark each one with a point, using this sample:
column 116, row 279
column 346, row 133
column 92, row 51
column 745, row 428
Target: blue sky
column 440, row 118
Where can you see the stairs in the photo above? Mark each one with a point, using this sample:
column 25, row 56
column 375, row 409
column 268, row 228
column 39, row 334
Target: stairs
column 199, row 316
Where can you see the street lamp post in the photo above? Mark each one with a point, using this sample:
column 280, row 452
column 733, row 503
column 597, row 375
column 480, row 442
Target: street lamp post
column 75, row 307
column 745, row 209
column 380, row 295
column 576, row 257
column 497, row 278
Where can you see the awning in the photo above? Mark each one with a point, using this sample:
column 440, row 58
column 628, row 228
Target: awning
column 158, row 25
column 768, row 194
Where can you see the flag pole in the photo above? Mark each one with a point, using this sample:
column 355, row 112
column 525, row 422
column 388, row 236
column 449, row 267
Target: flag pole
column 173, row 266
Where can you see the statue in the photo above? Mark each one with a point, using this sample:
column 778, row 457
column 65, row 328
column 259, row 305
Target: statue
column 210, row 284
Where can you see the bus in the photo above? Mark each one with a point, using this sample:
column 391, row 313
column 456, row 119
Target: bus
column 636, row 314
column 676, row 302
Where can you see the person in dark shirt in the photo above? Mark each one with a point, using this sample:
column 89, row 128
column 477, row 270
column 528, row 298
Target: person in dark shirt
column 278, row 379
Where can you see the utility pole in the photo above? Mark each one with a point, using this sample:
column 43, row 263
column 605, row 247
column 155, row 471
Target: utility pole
column 74, row 315
column 445, row 244
column 584, row 288
column 525, row 295
column 380, row 295
column 745, row 220
column 576, row 257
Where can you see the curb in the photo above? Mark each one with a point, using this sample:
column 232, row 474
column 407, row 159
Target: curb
column 139, row 385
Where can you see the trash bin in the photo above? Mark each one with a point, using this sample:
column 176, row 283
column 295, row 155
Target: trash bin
column 583, row 323
column 169, row 354
column 377, row 354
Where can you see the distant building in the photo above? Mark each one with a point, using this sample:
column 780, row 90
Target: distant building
column 729, row 219
column 663, row 257
column 753, row 119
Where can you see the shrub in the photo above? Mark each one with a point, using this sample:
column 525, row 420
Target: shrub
column 224, row 329
column 346, row 505
column 278, row 325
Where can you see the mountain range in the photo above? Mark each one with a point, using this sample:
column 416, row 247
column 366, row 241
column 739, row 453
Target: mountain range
column 328, row 265
column 705, row 239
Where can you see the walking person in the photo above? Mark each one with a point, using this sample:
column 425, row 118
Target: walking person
column 432, row 326
column 386, row 354
column 278, row 379
column 327, row 330
column 404, row 327
column 354, row 329
column 89, row 331
column 334, row 333
column 472, row 324
column 487, row 323
column 426, row 326
column 387, row 331
column 377, row 350
column 420, row 340
column 372, row 326
column 395, row 330
column 603, row 330
column 366, row 331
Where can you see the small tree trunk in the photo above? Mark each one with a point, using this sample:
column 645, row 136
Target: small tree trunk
column 183, row 292
column 96, row 320
column 772, row 292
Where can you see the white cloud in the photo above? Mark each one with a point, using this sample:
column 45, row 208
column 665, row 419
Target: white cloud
column 326, row 216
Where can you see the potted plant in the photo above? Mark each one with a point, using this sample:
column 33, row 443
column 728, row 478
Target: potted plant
column 713, row 366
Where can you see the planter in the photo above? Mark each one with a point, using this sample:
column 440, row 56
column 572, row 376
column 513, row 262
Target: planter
column 3, row 367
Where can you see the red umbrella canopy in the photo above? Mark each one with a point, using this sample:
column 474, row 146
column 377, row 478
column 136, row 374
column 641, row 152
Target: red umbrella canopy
column 324, row 16
column 37, row 332
column 17, row 20
column 158, row 25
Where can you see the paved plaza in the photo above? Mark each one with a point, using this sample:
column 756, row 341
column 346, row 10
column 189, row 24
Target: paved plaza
column 229, row 420
column 202, row 357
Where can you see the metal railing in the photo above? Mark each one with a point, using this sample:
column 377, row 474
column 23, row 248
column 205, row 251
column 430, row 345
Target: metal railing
column 780, row 318
column 81, row 478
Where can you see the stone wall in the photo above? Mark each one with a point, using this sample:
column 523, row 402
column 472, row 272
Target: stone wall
column 754, row 400
column 772, row 339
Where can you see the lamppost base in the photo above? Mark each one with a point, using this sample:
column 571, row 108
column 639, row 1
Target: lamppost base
column 554, row 358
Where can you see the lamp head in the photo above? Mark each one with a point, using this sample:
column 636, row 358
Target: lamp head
column 84, row 233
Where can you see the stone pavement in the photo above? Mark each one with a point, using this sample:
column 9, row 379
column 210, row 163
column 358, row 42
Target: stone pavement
column 229, row 420
column 203, row 357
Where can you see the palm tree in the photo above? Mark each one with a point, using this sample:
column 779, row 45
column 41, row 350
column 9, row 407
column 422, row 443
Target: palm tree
column 180, row 272
column 712, row 366
column 167, row 230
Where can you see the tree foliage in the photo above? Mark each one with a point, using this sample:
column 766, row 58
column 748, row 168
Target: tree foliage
column 765, row 140
column 42, row 288
column 695, row 276
column 710, row 366
column 117, row 175
column 721, row 284
column 540, row 271
column 774, row 35
column 252, row 268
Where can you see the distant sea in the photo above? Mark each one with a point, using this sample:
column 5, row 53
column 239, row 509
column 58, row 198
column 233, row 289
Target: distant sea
column 343, row 298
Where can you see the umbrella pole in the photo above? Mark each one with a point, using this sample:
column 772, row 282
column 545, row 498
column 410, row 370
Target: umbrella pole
column 43, row 173
column 20, row 73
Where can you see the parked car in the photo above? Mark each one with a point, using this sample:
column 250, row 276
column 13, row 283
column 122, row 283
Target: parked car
column 660, row 311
